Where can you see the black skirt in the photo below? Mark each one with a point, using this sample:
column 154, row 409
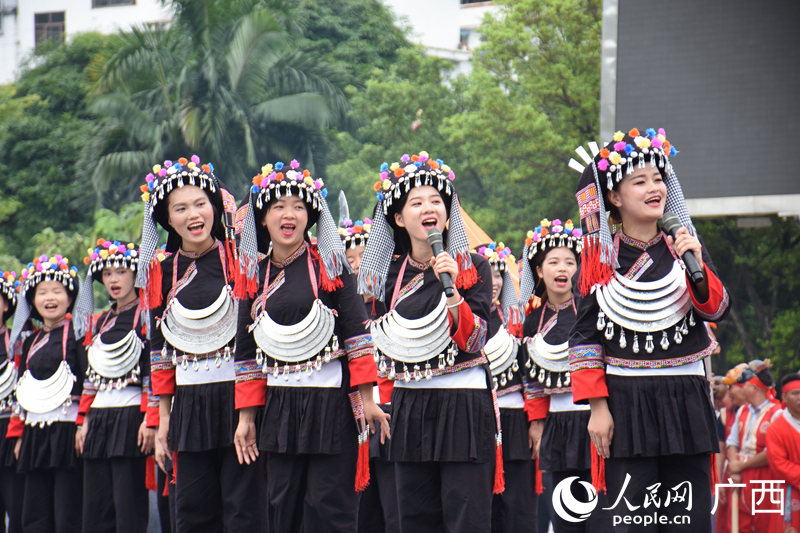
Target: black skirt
column 661, row 415
column 113, row 432
column 376, row 449
column 565, row 442
column 203, row 417
column 306, row 420
column 514, row 423
column 7, row 460
column 48, row 447
column 453, row 425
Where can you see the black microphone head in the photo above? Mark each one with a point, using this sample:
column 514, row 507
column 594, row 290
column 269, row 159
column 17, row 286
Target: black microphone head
column 669, row 222
column 434, row 236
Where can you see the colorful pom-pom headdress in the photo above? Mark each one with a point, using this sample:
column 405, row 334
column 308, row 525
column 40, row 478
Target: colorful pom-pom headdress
column 107, row 254
column 158, row 185
column 10, row 287
column 353, row 234
column 604, row 170
column 273, row 182
column 546, row 236
column 42, row 268
column 392, row 187
column 499, row 256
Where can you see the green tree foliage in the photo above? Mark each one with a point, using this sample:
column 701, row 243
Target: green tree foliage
column 223, row 81
column 399, row 111
column 759, row 267
column 44, row 125
column 532, row 97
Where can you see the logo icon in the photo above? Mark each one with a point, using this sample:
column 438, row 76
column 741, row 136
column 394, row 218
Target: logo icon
column 568, row 506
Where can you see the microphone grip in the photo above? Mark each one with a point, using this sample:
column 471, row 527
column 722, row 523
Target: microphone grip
column 693, row 267
column 447, row 283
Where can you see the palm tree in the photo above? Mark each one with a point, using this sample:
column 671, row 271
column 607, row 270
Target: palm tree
column 222, row 81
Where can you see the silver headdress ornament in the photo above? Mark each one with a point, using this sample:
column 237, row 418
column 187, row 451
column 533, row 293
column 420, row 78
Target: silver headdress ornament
column 394, row 183
column 107, row 254
column 43, row 268
column 272, row 183
column 498, row 256
column 546, row 236
column 603, row 170
column 10, row 287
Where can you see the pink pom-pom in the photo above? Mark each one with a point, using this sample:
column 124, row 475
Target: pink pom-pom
column 661, row 131
column 162, row 172
column 452, row 175
column 265, row 182
column 384, row 175
column 577, row 233
column 602, row 164
column 195, row 160
column 406, row 158
column 556, row 222
column 619, row 146
column 168, row 163
column 318, row 184
column 656, row 143
column 149, row 177
column 293, row 163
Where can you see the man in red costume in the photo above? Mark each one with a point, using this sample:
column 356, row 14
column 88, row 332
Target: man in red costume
column 747, row 456
column 783, row 453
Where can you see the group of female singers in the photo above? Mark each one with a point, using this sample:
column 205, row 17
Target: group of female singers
column 243, row 354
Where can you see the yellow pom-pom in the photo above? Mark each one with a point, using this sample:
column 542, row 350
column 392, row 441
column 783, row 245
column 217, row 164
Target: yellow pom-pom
column 156, row 168
column 387, row 184
column 146, row 197
column 394, row 166
column 618, row 136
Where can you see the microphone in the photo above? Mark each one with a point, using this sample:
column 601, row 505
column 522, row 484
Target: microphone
column 437, row 245
column 670, row 223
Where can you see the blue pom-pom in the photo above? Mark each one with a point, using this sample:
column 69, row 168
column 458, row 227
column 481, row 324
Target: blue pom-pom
column 211, row 167
column 359, row 223
column 384, row 166
column 493, row 246
column 650, row 132
column 279, row 165
column 418, row 163
column 380, row 196
column 178, row 166
column 324, row 193
column 628, row 149
column 672, row 151
column 254, row 189
column 440, row 162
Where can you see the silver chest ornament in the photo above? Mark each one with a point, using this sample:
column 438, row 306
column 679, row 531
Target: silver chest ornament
column 501, row 351
column 414, row 342
column 200, row 331
column 646, row 307
column 8, row 380
column 42, row 396
column 546, row 361
column 116, row 364
column 306, row 345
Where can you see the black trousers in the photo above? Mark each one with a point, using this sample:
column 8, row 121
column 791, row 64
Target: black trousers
column 114, row 495
column 515, row 510
column 689, row 473
column 377, row 510
column 445, row 497
column 166, row 499
column 52, row 501
column 598, row 521
column 215, row 493
column 12, row 484
column 313, row 493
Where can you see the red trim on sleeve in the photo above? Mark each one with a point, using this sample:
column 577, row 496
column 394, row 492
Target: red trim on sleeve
column 163, row 381
column 86, row 403
column 588, row 383
column 362, row 370
column 252, row 393
column 537, row 408
column 143, row 402
column 466, row 323
column 385, row 388
column 716, row 293
column 152, row 417
column 15, row 427
column 79, row 421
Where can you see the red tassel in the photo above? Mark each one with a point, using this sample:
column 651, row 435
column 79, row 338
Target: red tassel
column 87, row 341
column 714, row 478
column 165, row 492
column 593, row 270
column 362, row 466
column 538, row 482
column 150, row 474
column 499, row 474
column 154, row 296
column 231, row 260
column 325, row 283
column 467, row 277
column 598, row 471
